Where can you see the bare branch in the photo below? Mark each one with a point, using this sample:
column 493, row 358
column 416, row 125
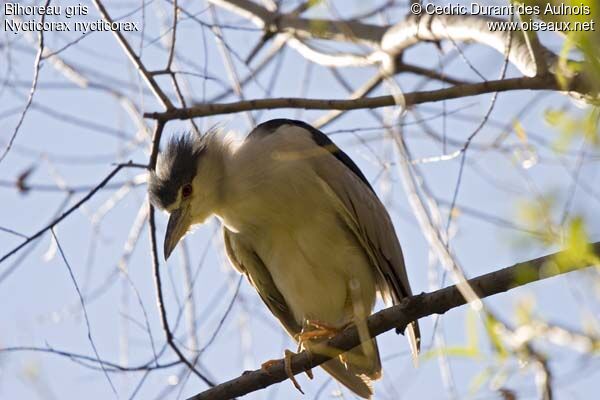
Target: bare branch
column 154, row 86
column 304, row 27
column 391, row 41
column 359, row 93
column 413, row 98
column 85, row 314
column 161, row 303
column 36, row 75
column 173, row 35
column 66, row 213
column 460, row 28
column 90, row 362
column 410, row 309
column 156, row 266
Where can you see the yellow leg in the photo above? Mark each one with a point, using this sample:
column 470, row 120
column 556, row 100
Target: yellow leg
column 315, row 323
column 316, row 334
column 315, row 330
column 320, row 330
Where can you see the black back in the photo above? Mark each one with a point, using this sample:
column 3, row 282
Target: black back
column 318, row 137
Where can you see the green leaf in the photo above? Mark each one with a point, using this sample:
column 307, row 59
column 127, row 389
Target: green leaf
column 578, row 252
column 470, row 350
column 491, row 326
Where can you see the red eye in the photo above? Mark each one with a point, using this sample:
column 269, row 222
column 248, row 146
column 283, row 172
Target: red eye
column 186, row 191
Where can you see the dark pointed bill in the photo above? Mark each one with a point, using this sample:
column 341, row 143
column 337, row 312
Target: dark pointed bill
column 176, row 229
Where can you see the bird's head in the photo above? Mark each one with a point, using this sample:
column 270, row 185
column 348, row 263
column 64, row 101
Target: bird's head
column 185, row 184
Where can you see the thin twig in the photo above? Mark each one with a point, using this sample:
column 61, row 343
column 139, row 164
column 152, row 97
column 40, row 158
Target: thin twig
column 36, row 74
column 160, row 299
column 224, row 317
column 84, row 360
column 156, row 266
column 173, row 35
column 66, row 213
column 85, row 314
column 154, row 86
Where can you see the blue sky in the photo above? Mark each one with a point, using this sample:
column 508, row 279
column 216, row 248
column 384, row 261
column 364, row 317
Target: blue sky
column 40, row 306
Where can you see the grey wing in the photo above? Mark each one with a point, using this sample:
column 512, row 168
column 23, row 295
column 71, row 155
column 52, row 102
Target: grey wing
column 246, row 260
column 367, row 217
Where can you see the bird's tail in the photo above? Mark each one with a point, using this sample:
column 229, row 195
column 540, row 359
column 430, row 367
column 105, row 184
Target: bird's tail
column 413, row 334
column 357, row 368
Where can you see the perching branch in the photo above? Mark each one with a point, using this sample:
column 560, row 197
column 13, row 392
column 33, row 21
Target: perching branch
column 410, row 309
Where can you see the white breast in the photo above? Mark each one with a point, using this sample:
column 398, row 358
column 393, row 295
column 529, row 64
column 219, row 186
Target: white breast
column 312, row 256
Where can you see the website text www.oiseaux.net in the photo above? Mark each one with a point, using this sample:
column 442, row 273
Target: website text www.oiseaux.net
column 541, row 26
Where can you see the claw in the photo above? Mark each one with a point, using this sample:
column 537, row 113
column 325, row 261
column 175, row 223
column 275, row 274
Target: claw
column 287, row 365
column 316, row 331
column 317, row 334
column 315, row 323
column 300, row 348
column 287, row 362
column 309, row 373
column 321, row 330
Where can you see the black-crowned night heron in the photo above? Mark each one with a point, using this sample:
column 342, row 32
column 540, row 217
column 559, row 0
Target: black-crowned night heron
column 301, row 221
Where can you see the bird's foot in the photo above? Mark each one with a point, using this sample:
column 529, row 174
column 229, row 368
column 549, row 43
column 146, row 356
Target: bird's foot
column 287, row 365
column 320, row 330
column 316, row 331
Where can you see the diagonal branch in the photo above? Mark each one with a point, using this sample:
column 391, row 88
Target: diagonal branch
column 71, row 209
column 36, row 75
column 410, row 309
column 135, row 59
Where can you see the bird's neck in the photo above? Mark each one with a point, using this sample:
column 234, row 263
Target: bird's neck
column 247, row 182
column 212, row 176
column 241, row 167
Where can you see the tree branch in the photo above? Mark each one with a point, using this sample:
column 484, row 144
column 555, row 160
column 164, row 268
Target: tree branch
column 36, row 75
column 69, row 211
column 136, row 61
column 410, row 309
column 463, row 28
column 391, row 41
column 413, row 98
column 305, row 27
column 156, row 266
